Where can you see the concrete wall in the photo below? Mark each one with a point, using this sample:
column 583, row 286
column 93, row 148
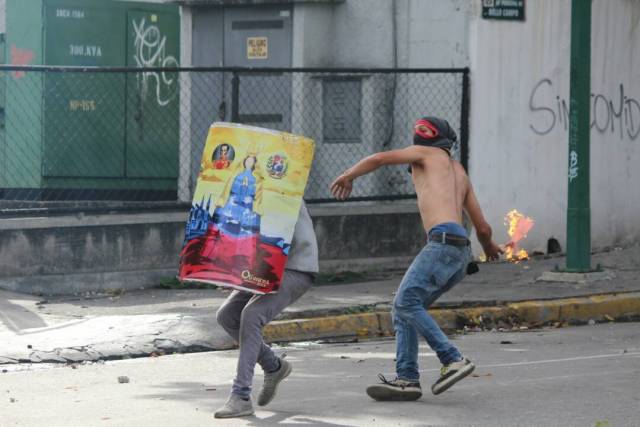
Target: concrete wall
column 519, row 118
column 63, row 255
column 433, row 33
column 331, row 36
column 361, row 34
column 377, row 34
column 428, row 33
column 76, row 254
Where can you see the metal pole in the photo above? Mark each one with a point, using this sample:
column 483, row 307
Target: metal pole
column 464, row 122
column 235, row 97
column 578, row 208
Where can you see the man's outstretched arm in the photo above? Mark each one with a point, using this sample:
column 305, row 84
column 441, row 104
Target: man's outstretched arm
column 483, row 229
column 342, row 186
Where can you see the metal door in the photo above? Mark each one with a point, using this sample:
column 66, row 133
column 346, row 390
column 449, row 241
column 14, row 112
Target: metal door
column 152, row 97
column 260, row 37
column 207, row 101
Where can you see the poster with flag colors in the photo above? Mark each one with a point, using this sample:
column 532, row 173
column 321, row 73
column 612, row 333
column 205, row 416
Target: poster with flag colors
column 245, row 207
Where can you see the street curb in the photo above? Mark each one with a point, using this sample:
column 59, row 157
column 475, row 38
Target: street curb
column 146, row 335
column 534, row 313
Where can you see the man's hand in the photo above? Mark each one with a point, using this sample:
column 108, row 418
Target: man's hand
column 492, row 251
column 341, row 187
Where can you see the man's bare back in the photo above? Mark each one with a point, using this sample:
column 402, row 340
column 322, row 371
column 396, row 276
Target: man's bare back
column 441, row 186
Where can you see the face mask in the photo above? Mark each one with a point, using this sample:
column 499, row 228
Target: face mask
column 434, row 132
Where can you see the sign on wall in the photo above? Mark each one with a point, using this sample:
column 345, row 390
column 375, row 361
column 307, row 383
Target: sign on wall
column 257, row 48
column 512, row 10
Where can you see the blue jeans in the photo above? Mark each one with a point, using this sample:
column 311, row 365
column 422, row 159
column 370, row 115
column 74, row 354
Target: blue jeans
column 433, row 272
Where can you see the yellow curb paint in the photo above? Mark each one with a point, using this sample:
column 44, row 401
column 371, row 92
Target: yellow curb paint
column 579, row 309
column 363, row 324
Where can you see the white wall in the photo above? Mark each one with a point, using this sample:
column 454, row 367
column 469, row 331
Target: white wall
column 433, row 33
column 518, row 138
column 378, row 34
column 185, row 187
column 359, row 33
column 313, row 35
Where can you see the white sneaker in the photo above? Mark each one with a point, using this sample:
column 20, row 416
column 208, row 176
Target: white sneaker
column 451, row 374
column 235, row 407
column 271, row 381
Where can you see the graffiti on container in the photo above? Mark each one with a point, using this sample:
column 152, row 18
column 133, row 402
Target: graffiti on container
column 150, row 51
column 20, row 57
column 617, row 115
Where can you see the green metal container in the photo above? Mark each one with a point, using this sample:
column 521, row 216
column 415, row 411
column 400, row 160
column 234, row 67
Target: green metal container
column 68, row 133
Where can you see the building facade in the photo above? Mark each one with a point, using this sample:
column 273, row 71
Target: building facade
column 519, row 70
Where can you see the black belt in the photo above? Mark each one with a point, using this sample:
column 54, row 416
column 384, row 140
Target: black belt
column 449, row 239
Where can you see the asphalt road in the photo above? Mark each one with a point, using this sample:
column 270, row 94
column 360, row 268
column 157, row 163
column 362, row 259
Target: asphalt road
column 579, row 376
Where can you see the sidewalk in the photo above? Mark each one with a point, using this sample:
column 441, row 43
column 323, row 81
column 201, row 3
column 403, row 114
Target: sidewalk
column 161, row 321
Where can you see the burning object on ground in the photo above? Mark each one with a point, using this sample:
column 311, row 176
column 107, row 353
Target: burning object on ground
column 518, row 226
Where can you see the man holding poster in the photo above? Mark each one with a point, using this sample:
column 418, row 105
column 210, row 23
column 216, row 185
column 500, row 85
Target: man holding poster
column 250, row 231
column 245, row 207
column 244, row 314
column 444, row 191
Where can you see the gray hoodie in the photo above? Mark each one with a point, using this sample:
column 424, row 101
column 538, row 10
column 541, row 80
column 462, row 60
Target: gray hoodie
column 303, row 254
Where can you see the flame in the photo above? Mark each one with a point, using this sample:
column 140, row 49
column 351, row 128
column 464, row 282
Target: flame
column 518, row 226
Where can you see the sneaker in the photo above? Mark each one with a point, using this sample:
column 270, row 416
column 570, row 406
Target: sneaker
column 235, row 407
column 395, row 390
column 451, row 374
column 271, row 381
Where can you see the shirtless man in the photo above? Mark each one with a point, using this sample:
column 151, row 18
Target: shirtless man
column 444, row 190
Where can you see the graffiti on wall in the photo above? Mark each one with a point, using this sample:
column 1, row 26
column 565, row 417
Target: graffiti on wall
column 150, row 50
column 20, row 57
column 617, row 115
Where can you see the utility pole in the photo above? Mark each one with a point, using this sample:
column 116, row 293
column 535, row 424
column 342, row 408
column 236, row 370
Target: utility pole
column 579, row 203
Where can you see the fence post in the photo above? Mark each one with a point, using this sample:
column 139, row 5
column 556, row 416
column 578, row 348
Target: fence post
column 464, row 121
column 235, row 97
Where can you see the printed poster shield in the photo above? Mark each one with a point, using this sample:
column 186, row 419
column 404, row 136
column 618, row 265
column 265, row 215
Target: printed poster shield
column 245, row 207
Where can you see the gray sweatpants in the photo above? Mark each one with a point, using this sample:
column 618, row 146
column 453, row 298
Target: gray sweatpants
column 243, row 316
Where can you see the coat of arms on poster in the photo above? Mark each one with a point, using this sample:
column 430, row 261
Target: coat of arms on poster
column 503, row 9
column 245, row 207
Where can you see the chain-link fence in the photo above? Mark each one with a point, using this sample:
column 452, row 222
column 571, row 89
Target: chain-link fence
column 81, row 139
